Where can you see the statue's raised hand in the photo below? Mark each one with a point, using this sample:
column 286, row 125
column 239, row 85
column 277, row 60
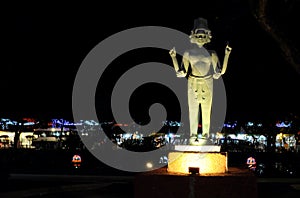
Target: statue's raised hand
column 172, row 52
column 227, row 50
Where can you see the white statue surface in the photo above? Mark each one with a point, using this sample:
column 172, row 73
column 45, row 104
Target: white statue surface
column 200, row 67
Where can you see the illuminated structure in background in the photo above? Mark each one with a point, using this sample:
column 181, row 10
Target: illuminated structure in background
column 251, row 163
column 76, row 161
column 204, row 66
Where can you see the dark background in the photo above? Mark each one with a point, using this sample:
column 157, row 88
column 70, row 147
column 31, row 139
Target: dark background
column 44, row 44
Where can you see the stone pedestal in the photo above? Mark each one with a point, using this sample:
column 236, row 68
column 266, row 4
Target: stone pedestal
column 189, row 162
column 196, row 172
column 235, row 183
column 194, row 148
column 206, row 159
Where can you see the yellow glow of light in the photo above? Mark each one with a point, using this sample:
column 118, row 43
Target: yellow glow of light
column 208, row 163
column 149, row 165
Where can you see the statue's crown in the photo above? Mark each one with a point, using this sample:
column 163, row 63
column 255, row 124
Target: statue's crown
column 200, row 24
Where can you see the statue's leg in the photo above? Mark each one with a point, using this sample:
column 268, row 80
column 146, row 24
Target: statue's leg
column 206, row 105
column 206, row 116
column 193, row 107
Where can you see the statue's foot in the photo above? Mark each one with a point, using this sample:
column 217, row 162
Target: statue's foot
column 203, row 140
column 205, row 136
column 193, row 139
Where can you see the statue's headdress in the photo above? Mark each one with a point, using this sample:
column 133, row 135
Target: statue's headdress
column 200, row 26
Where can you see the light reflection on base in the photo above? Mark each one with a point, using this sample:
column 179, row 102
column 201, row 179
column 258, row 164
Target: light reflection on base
column 207, row 162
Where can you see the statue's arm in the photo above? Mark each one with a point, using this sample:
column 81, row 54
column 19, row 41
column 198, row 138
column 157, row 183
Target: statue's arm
column 226, row 57
column 186, row 63
column 216, row 65
column 179, row 72
column 172, row 53
column 218, row 71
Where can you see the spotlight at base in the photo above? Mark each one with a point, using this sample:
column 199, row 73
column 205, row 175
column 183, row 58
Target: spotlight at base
column 149, row 165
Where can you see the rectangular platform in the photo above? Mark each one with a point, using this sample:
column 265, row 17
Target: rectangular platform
column 197, row 162
column 160, row 183
column 202, row 148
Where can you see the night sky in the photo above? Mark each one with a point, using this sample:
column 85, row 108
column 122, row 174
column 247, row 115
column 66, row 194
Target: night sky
column 43, row 47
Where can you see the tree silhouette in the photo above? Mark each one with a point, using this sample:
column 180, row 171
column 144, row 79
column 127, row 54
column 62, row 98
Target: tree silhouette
column 279, row 18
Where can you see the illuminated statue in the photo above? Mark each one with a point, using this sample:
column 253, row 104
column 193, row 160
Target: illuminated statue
column 200, row 66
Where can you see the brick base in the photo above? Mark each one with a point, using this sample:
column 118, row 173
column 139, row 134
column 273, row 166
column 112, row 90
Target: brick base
column 159, row 183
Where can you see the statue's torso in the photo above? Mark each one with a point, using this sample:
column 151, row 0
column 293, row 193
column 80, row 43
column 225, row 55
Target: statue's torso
column 200, row 61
